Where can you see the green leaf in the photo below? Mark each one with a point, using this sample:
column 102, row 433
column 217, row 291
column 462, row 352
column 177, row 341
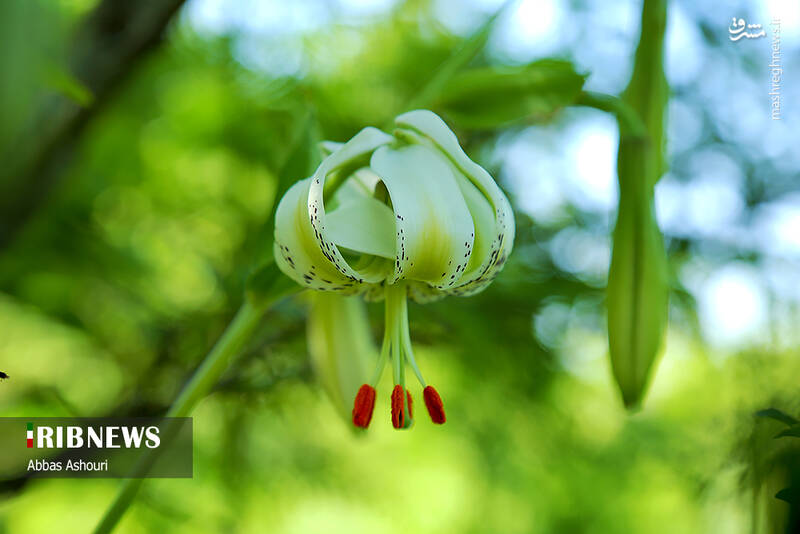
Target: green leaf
column 62, row 81
column 778, row 415
column 791, row 432
column 490, row 97
column 790, row 495
column 459, row 59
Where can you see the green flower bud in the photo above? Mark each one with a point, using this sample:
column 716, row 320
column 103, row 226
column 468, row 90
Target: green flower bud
column 340, row 346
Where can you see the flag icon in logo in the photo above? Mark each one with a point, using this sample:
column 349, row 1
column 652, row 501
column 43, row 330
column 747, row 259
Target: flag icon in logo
column 30, row 435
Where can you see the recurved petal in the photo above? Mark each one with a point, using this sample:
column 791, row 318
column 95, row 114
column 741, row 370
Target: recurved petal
column 347, row 159
column 433, row 226
column 329, row 147
column 297, row 252
column 494, row 232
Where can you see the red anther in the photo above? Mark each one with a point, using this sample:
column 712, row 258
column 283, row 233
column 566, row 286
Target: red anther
column 363, row 406
column 398, row 415
column 410, row 403
column 434, row 404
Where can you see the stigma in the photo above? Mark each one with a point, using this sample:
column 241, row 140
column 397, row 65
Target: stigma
column 398, row 351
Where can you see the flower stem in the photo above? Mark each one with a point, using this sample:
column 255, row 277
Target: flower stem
column 230, row 344
column 392, row 295
column 232, row 341
column 630, row 124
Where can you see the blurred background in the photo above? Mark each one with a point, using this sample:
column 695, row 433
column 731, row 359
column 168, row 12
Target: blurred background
column 141, row 145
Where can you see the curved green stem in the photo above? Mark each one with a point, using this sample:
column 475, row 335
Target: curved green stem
column 630, row 124
column 230, row 344
column 239, row 331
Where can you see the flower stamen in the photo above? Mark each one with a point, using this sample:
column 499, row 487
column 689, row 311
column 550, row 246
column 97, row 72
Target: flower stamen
column 363, row 406
column 397, row 348
column 398, row 414
column 434, row 404
column 408, row 350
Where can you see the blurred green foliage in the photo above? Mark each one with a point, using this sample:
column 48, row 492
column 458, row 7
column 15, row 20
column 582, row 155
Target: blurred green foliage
column 133, row 263
column 493, row 97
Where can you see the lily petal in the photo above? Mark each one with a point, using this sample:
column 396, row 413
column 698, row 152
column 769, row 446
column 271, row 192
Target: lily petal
column 302, row 250
column 485, row 229
column 297, row 252
column 347, row 159
column 365, row 225
column 430, row 128
column 434, row 230
column 359, row 185
column 329, row 147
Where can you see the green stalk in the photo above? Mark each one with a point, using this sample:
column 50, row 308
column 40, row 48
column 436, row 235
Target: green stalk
column 236, row 335
column 630, row 125
column 230, row 345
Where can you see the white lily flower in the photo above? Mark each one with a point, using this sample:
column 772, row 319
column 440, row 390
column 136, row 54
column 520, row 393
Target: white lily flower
column 415, row 217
